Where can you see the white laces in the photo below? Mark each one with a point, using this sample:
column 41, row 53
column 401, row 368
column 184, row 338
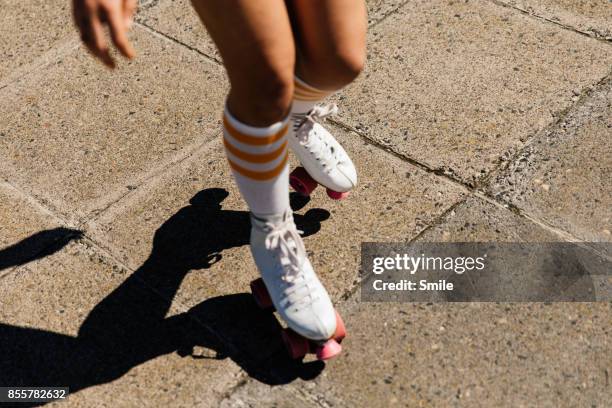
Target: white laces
column 311, row 139
column 284, row 239
column 323, row 111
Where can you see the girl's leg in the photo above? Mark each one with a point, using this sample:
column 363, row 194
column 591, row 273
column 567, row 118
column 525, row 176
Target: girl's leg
column 256, row 42
column 257, row 47
column 331, row 40
column 330, row 37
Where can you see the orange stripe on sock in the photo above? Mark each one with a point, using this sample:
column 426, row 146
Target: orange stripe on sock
column 254, row 158
column 299, row 97
column 304, row 89
column 305, row 97
column 253, row 140
column 305, row 92
column 260, row 175
column 302, row 93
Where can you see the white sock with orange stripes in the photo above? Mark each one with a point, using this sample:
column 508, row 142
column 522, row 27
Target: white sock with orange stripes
column 258, row 158
column 305, row 97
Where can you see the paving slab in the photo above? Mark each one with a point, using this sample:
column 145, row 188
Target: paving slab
column 589, row 16
column 563, row 177
column 27, row 231
column 379, row 9
column 477, row 220
column 21, row 219
column 193, row 222
column 434, row 355
column 177, row 19
column 29, row 29
column 442, row 354
column 48, row 294
column 77, row 136
column 456, row 85
column 139, row 165
column 76, row 319
column 394, row 200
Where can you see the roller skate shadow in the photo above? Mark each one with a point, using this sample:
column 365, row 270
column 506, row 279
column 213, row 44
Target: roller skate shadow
column 249, row 336
column 130, row 326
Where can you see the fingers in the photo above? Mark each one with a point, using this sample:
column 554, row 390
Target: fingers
column 89, row 16
column 99, row 46
column 118, row 31
column 129, row 8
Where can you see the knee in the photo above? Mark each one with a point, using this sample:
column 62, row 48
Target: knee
column 265, row 97
column 348, row 66
column 273, row 94
column 336, row 69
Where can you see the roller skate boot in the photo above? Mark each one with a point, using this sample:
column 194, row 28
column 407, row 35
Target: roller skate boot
column 323, row 160
column 289, row 284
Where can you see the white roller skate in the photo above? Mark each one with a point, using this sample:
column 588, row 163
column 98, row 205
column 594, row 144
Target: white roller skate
column 323, row 159
column 291, row 286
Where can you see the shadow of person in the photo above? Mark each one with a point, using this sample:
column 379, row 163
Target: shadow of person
column 37, row 246
column 129, row 326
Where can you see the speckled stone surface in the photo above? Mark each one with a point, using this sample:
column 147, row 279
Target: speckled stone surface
column 590, row 16
column 379, row 9
column 28, row 30
column 408, row 198
column 20, row 218
column 563, row 177
column 124, row 259
column 476, row 220
column 79, row 136
column 194, row 222
column 459, row 355
column 460, row 84
column 177, row 19
column 470, row 354
column 75, row 319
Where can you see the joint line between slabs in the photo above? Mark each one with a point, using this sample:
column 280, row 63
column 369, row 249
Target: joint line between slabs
column 173, row 40
column 605, row 40
column 473, row 191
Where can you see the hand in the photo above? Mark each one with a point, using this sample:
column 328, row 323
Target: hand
column 89, row 15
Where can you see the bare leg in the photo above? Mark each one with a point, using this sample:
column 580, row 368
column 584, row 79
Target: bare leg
column 331, row 40
column 257, row 46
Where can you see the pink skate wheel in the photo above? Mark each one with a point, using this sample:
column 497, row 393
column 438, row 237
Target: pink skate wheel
column 296, row 345
column 336, row 195
column 300, row 181
column 340, row 333
column 260, row 294
column 330, row 349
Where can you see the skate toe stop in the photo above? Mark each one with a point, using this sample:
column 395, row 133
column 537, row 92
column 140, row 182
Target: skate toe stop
column 329, row 350
column 337, row 195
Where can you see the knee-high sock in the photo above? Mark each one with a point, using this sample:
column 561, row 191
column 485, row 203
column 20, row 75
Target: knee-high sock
column 305, row 97
column 258, row 158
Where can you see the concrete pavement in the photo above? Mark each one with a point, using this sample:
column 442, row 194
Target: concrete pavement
column 124, row 264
